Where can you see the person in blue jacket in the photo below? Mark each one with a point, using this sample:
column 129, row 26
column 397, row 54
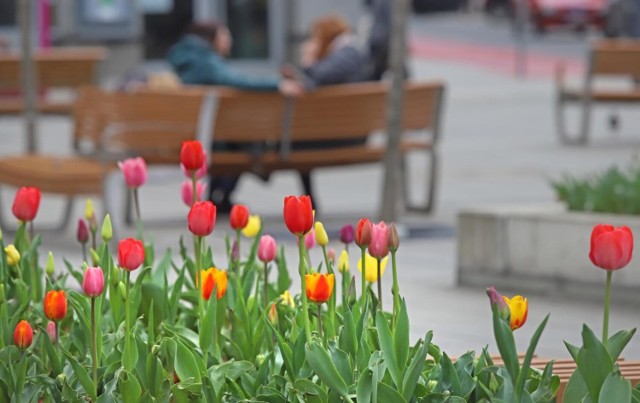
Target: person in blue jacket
column 199, row 58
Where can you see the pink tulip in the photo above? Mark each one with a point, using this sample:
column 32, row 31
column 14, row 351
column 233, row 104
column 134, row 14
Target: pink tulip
column 135, row 171
column 186, row 191
column 267, row 249
column 379, row 246
column 93, row 282
column 51, row 331
column 310, row 239
column 200, row 173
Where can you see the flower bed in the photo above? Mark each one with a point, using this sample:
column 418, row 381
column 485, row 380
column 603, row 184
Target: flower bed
column 186, row 329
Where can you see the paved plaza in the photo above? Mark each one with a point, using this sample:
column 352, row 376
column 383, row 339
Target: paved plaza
column 498, row 147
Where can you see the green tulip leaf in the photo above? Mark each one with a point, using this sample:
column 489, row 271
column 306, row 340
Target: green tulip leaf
column 208, row 325
column 130, row 353
column 618, row 342
column 388, row 394
column 129, row 387
column 526, row 364
column 364, row 386
column 387, row 347
column 594, row 363
column 576, row 390
column 321, row 363
column 506, row 345
column 416, row 366
column 185, row 363
column 615, row 389
column 81, row 373
column 401, row 337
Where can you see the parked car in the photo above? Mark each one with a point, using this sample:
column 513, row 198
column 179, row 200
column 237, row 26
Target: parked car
column 576, row 14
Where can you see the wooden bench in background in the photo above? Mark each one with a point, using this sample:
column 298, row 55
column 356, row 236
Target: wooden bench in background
column 608, row 58
column 292, row 129
column 56, row 68
column 108, row 127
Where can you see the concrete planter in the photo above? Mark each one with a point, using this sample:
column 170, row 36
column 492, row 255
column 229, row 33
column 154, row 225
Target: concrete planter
column 539, row 248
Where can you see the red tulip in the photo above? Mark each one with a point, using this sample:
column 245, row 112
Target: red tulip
column 200, row 173
column 130, row 254
column 26, row 203
column 363, row 233
column 23, row 335
column 83, row 232
column 192, row 155
column 202, row 218
column 239, row 216
column 55, row 305
column 298, row 214
column 611, row 248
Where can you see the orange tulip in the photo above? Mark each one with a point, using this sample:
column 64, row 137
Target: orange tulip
column 55, row 305
column 211, row 278
column 319, row 286
column 23, row 334
column 519, row 308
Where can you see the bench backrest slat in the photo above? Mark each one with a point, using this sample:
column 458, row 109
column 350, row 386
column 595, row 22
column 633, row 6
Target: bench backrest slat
column 144, row 123
column 54, row 68
column 351, row 111
column 616, row 57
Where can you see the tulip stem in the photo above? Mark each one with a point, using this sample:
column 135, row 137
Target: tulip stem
column 379, row 286
column 94, row 353
column 332, row 299
column 396, row 290
column 236, row 261
column 364, row 277
column 607, row 304
column 126, row 310
column 84, row 252
column 302, row 268
column 266, row 286
column 194, row 187
column 320, row 320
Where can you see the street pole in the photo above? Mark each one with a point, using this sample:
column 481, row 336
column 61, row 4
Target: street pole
column 25, row 12
column 392, row 185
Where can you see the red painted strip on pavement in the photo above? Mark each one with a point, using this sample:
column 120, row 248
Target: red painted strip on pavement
column 495, row 58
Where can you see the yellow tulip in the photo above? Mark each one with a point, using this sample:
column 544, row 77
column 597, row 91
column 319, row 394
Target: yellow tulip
column 287, row 299
column 253, row 226
column 13, row 256
column 343, row 262
column 371, row 267
column 321, row 235
column 519, row 307
column 88, row 209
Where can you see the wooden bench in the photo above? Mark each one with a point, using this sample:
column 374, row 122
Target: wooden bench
column 294, row 130
column 608, row 58
column 56, row 68
column 108, row 127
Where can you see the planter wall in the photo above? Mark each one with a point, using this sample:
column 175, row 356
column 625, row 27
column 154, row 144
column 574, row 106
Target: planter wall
column 540, row 249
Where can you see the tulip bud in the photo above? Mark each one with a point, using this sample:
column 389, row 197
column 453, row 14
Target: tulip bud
column 55, row 305
column 23, row 335
column 394, row 239
column 499, row 303
column 331, row 255
column 310, row 240
column 260, row 359
column 343, row 262
column 12, row 254
column 115, row 275
column 61, row 379
column 107, row 231
column 134, row 171
column 51, row 331
column 3, row 297
column 363, row 233
column 273, row 314
column 82, row 234
column 239, row 217
column 267, row 249
column 88, row 209
column 123, row 290
column 93, row 282
column 235, row 251
column 321, row 235
column 93, row 224
column 50, row 267
column 346, row 234
column 130, row 254
column 95, row 259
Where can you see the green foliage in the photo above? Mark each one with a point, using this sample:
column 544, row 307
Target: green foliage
column 615, row 190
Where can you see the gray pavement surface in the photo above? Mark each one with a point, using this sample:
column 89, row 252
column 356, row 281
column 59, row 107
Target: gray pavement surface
column 499, row 146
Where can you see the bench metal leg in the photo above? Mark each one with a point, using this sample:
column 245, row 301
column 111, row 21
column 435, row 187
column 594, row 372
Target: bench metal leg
column 431, row 185
column 583, row 136
column 128, row 207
